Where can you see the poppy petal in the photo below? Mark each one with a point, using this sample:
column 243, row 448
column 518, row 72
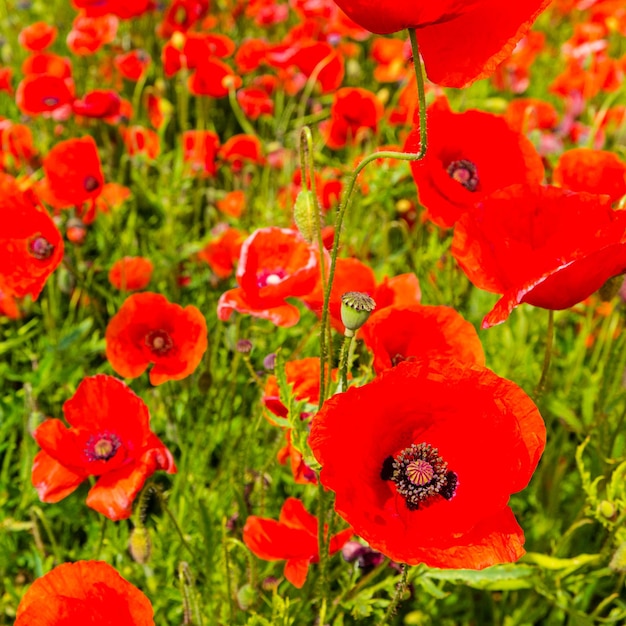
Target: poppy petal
column 52, row 480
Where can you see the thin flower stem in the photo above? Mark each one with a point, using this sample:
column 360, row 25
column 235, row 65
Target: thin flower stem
column 541, row 385
column 344, row 360
column 239, row 114
column 322, row 547
column 400, row 588
column 351, row 183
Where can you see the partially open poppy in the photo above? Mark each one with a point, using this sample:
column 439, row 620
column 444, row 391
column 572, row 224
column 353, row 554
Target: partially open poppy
column 73, row 170
column 293, row 538
column 76, row 592
column 31, row 246
column 108, row 436
column 131, row 273
column 150, row 329
column 395, row 334
column 459, row 41
column 132, row 65
column 469, row 155
column 38, row 36
column 436, row 449
column 541, row 245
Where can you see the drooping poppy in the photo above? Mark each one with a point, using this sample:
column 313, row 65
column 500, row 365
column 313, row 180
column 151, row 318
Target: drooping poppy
column 222, row 253
column 148, row 329
column 76, row 592
column 109, row 436
column 395, row 334
column 423, row 436
column 469, row 155
column 73, row 170
column 293, row 538
column 459, row 42
column 38, row 36
column 31, row 246
column 274, row 264
column 595, row 171
column 542, row 245
column 131, row 273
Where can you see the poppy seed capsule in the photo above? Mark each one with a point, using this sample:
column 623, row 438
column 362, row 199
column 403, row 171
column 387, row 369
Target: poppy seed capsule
column 356, row 308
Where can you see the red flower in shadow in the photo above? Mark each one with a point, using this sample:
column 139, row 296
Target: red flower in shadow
column 73, row 593
column 109, row 436
column 275, row 264
column 469, row 155
column 73, row 171
column 293, row 538
column 542, row 245
column 150, row 329
column 397, row 334
column 31, row 246
column 436, row 450
column 459, row 41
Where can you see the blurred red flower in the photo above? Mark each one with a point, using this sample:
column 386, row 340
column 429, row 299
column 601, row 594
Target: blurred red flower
column 241, row 149
column 148, row 329
column 73, row 171
column 200, row 149
column 38, row 36
column 459, row 41
column 109, row 436
column 469, row 155
column 275, row 264
column 89, row 34
column 222, row 253
column 293, row 538
column 131, row 273
column 435, row 450
column 545, row 246
column 43, row 93
column 132, row 65
column 141, row 141
column 255, row 102
column 31, row 246
column 98, row 103
column 395, row 334
column 16, row 144
column 527, row 114
column 73, row 593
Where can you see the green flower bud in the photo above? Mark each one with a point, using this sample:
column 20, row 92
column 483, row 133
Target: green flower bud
column 139, row 544
column 607, row 509
column 306, row 214
column 355, row 310
column 618, row 562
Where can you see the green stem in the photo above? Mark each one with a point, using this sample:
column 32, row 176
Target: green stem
column 397, row 596
column 344, row 360
column 541, row 385
column 239, row 114
column 349, row 190
column 322, row 547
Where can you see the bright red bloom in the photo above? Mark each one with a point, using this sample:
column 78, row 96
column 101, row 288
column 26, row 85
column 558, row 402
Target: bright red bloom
column 436, row 449
column 233, row 203
column 132, row 273
column 293, row 538
column 255, row 102
column 89, row 34
column 459, row 41
column 242, row 149
column 43, row 93
column 16, row 144
column 110, row 437
column 545, row 246
column 527, row 114
column 133, row 64
column 37, row 36
column 355, row 112
column 124, row 9
column 395, row 334
column 98, row 103
column 250, row 54
column 148, row 329
column 6, row 75
column 181, row 15
column 222, row 253
column 141, row 141
column 275, row 264
column 73, row 170
column 200, row 149
column 31, row 246
column 469, row 155
column 595, row 171
column 73, row 593
column 213, row 78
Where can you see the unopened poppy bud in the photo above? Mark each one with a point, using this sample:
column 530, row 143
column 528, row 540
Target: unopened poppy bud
column 356, row 307
column 139, row 544
column 618, row 562
column 306, row 214
column 244, row 346
column 607, row 509
column 269, row 362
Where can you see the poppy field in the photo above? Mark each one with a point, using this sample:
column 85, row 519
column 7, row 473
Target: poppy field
column 312, row 312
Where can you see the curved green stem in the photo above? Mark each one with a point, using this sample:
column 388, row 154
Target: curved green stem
column 349, row 190
column 397, row 596
column 541, row 385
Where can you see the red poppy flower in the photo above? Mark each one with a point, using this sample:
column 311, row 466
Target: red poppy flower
column 98, row 103
column 459, row 42
column 6, row 75
column 133, row 64
column 109, row 436
column 301, row 472
column 542, row 245
column 31, row 246
column 222, row 253
column 275, row 264
column 124, row 9
column 200, row 149
column 213, row 78
column 132, row 273
column 43, row 93
column 150, row 329
column 16, row 144
column 355, row 112
column 73, row 170
column 397, row 334
column 469, row 155
column 89, row 34
column 595, row 171
column 255, row 102
column 527, row 114
column 73, row 593
column 233, row 203
column 242, row 149
column 436, row 450
column 181, row 15
column 37, row 36
column 293, row 538
column 392, row 59
column 250, row 54
column 141, row 141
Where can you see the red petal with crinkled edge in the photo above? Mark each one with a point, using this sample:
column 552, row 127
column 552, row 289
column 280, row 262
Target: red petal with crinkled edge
column 284, row 315
column 52, row 480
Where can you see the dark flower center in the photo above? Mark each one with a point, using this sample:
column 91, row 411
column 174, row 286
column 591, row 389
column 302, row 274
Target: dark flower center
column 102, row 447
column 159, row 342
column 270, row 277
column 40, row 248
column 420, row 475
column 464, row 172
column 90, row 183
column 50, row 101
